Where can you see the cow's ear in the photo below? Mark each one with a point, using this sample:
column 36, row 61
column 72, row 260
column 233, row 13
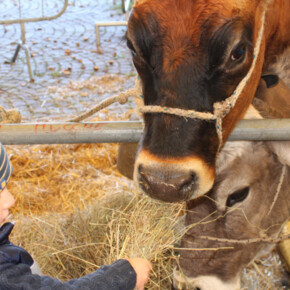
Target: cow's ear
column 282, row 150
column 252, row 113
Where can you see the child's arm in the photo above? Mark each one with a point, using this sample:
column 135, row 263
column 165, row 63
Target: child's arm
column 117, row 276
column 15, row 271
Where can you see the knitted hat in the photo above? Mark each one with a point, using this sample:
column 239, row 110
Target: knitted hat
column 5, row 167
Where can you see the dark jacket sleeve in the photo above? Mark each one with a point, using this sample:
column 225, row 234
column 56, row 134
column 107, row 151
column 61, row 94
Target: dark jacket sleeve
column 117, row 276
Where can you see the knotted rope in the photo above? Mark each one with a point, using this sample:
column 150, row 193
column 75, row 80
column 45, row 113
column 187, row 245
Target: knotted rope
column 122, row 98
column 221, row 109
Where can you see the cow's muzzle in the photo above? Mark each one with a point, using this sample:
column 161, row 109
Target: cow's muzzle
column 167, row 186
column 172, row 179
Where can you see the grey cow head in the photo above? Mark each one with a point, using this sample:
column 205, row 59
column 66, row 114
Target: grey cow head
column 240, row 206
column 242, row 203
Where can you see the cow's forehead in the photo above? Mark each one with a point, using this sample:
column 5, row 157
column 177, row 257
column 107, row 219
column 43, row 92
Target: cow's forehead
column 230, row 152
column 242, row 161
column 180, row 26
column 194, row 12
column 233, row 150
column 235, row 3
column 180, row 17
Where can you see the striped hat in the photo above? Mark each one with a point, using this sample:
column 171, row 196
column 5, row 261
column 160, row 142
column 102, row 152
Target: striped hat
column 5, row 167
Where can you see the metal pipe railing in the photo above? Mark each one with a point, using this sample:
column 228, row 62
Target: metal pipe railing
column 126, row 131
column 103, row 24
column 22, row 43
column 36, row 19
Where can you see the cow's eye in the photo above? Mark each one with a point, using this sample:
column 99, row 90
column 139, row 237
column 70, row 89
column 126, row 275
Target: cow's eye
column 131, row 47
column 238, row 196
column 238, row 53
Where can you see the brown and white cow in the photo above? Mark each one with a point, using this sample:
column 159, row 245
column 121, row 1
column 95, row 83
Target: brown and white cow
column 249, row 200
column 191, row 54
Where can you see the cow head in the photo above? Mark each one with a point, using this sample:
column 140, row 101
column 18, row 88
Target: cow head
column 243, row 204
column 249, row 200
column 190, row 55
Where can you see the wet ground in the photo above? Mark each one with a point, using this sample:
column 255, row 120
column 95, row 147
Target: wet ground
column 62, row 50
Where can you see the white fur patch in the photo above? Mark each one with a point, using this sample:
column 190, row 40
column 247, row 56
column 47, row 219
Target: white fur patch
column 204, row 282
column 282, row 150
column 230, row 152
column 252, row 113
column 35, row 269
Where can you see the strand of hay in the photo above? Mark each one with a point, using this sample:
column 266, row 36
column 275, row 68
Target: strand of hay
column 60, row 178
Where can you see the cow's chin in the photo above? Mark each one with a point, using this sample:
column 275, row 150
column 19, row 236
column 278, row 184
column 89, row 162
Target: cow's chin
column 180, row 281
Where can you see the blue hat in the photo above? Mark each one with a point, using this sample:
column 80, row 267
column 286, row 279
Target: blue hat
column 5, row 167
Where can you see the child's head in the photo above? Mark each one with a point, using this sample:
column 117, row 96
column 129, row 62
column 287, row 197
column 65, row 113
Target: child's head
column 6, row 199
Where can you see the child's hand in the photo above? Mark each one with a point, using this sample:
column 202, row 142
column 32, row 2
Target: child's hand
column 142, row 268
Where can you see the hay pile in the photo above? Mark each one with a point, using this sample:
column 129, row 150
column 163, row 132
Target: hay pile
column 114, row 228
column 75, row 212
column 59, row 178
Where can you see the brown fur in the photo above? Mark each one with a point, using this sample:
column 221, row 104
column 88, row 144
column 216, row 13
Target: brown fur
column 169, row 40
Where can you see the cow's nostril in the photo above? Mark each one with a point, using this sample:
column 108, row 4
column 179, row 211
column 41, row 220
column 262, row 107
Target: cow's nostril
column 167, row 186
column 188, row 183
